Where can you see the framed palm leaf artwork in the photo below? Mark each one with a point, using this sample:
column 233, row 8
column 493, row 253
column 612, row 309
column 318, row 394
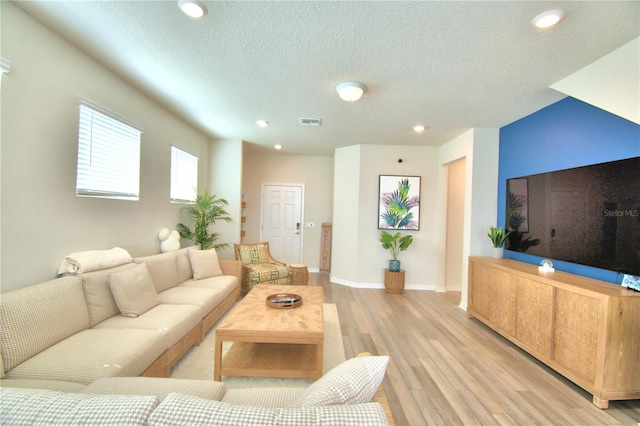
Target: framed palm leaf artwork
column 399, row 202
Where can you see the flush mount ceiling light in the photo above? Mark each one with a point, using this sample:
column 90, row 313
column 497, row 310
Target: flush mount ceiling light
column 262, row 123
column 350, row 91
column 192, row 8
column 548, row 19
column 278, row 146
column 419, row 128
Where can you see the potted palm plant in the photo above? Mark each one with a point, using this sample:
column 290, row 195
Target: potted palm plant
column 497, row 237
column 206, row 210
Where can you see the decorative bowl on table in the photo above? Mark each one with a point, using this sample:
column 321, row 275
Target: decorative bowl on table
column 284, row 300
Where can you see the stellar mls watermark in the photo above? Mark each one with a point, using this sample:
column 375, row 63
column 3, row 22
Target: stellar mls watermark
column 621, row 213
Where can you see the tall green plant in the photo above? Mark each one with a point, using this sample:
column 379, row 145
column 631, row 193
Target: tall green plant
column 205, row 212
column 395, row 243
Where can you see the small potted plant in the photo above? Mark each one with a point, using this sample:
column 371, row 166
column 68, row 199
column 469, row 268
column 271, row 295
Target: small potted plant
column 497, row 237
column 395, row 244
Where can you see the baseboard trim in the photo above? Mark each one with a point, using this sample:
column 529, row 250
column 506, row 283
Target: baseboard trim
column 379, row 286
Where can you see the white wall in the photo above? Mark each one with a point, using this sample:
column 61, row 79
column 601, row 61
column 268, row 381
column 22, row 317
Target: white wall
column 480, row 149
column 358, row 258
column 314, row 172
column 42, row 219
column 225, row 181
column 346, row 214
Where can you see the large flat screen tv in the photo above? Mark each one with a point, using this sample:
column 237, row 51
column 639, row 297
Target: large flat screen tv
column 587, row 215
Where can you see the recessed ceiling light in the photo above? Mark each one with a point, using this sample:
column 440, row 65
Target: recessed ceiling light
column 192, row 8
column 419, row 128
column 262, row 123
column 277, row 146
column 548, row 19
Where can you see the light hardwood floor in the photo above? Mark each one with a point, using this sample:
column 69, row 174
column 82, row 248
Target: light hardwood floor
column 449, row 369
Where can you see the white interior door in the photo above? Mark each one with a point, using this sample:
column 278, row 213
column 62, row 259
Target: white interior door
column 282, row 221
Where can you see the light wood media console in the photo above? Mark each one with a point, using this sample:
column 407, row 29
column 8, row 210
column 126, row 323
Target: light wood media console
column 585, row 329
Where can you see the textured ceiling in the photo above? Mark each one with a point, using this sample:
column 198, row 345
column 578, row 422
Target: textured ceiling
column 450, row 65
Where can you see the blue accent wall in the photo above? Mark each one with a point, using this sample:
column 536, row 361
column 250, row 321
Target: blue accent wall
column 564, row 135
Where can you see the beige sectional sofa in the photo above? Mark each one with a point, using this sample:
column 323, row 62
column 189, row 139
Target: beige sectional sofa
column 135, row 319
column 347, row 395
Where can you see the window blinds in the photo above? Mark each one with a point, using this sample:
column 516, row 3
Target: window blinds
column 108, row 155
column 184, row 176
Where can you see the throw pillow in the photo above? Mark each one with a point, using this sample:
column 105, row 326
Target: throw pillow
column 133, row 291
column 205, row 264
column 355, row 381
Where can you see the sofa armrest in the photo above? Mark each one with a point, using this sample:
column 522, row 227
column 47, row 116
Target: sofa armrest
column 381, row 397
column 231, row 267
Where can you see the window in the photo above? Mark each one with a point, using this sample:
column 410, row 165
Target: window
column 184, row 176
column 108, row 155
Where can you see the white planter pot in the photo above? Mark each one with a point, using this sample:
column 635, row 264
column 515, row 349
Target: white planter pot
column 497, row 252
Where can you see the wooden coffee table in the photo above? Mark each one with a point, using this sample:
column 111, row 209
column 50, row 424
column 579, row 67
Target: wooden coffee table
column 271, row 342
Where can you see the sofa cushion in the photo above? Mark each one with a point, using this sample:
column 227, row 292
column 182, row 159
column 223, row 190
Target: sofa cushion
column 207, row 299
column 184, row 264
column 133, row 291
column 100, row 302
column 55, row 385
column 163, row 269
column 264, row 272
column 178, row 409
column 36, row 317
column 204, row 264
column 172, row 321
column 355, row 381
column 45, row 407
column 160, row 387
column 93, row 354
column 227, row 284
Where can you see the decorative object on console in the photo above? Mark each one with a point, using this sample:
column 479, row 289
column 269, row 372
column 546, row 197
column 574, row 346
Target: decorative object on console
column 631, row 281
column 169, row 240
column 205, row 212
column 497, row 237
column 546, row 266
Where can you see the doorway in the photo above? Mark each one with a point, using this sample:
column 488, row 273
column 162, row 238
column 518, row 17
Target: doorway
column 456, row 175
column 282, row 221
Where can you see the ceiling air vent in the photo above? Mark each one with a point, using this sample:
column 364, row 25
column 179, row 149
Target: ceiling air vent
column 310, row 121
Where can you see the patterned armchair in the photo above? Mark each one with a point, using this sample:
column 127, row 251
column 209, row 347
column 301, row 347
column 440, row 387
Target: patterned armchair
column 258, row 267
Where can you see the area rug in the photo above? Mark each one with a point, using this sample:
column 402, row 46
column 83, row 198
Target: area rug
column 198, row 362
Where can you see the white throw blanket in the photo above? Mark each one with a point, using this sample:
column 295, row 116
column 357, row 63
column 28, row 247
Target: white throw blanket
column 86, row 261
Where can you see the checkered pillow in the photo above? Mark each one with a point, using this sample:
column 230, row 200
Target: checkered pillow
column 355, row 381
column 178, row 409
column 43, row 407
